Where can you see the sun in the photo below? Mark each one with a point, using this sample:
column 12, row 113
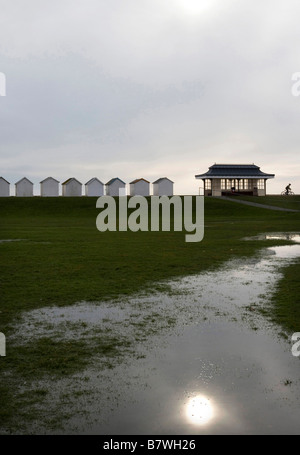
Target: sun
column 199, row 410
column 196, row 6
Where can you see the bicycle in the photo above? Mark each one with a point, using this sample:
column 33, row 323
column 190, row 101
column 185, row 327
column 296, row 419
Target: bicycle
column 287, row 193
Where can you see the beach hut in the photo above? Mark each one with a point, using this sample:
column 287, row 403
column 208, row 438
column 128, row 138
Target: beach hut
column 163, row 187
column 4, row 187
column 49, row 187
column 94, row 187
column 139, row 187
column 72, row 188
column 24, row 188
column 115, row 187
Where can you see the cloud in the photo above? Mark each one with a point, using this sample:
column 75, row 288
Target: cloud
column 117, row 87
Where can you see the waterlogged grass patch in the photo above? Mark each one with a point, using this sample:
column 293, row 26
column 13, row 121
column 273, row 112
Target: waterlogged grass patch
column 285, row 303
column 46, row 356
column 47, row 360
column 39, row 359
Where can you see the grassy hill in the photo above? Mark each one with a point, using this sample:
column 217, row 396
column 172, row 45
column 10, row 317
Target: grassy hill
column 287, row 202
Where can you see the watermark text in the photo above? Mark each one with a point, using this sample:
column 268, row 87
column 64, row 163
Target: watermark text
column 2, row 345
column 296, row 86
column 154, row 213
column 296, row 346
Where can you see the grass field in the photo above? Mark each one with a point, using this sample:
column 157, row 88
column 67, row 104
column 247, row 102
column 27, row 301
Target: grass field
column 288, row 202
column 58, row 257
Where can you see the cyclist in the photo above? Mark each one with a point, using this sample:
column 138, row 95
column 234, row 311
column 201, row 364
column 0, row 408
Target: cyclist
column 288, row 189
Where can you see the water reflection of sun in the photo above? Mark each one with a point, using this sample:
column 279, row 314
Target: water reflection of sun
column 199, row 410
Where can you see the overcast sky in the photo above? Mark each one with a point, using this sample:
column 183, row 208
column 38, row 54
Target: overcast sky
column 149, row 88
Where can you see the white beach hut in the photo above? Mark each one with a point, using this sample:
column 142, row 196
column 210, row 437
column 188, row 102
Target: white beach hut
column 139, row 187
column 72, row 188
column 163, row 187
column 24, row 188
column 49, row 187
column 4, row 187
column 94, row 187
column 115, row 187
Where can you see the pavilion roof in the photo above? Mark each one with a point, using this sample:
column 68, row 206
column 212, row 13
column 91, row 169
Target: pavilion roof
column 235, row 171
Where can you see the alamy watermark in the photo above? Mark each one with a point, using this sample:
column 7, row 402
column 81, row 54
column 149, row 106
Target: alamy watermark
column 2, row 345
column 296, row 346
column 2, row 84
column 296, row 86
column 159, row 210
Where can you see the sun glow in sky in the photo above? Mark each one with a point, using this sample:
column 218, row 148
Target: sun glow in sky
column 149, row 88
column 196, row 6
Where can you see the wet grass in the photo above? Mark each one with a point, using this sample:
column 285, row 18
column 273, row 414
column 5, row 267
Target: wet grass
column 64, row 259
column 48, row 357
column 285, row 307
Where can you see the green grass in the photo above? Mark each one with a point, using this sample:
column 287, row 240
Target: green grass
column 62, row 259
column 286, row 301
column 288, row 202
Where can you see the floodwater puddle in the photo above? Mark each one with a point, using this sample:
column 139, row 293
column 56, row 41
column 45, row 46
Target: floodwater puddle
column 293, row 236
column 203, row 361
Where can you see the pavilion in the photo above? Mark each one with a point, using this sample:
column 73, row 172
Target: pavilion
column 244, row 179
